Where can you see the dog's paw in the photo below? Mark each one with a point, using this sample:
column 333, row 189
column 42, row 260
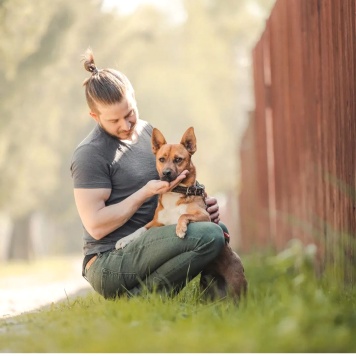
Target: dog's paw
column 181, row 235
column 181, row 230
column 122, row 243
column 129, row 238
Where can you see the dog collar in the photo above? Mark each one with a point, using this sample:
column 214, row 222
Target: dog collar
column 197, row 189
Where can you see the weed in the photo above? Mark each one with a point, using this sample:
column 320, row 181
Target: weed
column 287, row 309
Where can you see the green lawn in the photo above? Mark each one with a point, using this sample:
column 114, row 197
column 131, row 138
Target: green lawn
column 287, row 310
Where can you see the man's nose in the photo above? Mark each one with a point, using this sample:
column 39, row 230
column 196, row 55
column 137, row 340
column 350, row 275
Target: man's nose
column 127, row 124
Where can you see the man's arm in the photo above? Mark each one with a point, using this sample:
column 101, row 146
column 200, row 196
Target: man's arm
column 100, row 220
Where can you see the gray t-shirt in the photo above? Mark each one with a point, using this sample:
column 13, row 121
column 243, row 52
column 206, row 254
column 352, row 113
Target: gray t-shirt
column 101, row 162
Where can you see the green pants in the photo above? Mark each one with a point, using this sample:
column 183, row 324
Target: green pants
column 158, row 260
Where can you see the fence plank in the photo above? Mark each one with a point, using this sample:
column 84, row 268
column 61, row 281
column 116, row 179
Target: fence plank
column 301, row 137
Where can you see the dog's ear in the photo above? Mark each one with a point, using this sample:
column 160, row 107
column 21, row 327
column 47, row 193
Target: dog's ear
column 189, row 140
column 157, row 140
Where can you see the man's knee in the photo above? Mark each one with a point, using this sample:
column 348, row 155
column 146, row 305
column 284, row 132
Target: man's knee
column 207, row 233
column 223, row 226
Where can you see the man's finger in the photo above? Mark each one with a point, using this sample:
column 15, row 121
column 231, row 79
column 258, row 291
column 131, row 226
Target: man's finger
column 178, row 179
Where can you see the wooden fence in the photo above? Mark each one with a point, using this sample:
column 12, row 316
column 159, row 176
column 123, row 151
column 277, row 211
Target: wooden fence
column 298, row 153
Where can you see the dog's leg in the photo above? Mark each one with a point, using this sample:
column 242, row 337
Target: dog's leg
column 129, row 238
column 185, row 219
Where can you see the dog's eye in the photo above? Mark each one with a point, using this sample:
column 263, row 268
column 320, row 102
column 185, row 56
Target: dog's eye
column 161, row 159
column 178, row 160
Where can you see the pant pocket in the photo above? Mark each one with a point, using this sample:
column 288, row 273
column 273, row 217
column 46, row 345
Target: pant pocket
column 114, row 284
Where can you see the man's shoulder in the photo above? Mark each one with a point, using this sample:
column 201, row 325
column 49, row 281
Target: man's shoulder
column 95, row 137
column 144, row 126
column 92, row 145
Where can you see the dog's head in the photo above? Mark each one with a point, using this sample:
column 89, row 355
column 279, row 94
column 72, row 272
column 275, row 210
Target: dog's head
column 173, row 159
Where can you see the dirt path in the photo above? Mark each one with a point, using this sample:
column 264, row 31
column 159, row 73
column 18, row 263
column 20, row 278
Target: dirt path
column 41, row 286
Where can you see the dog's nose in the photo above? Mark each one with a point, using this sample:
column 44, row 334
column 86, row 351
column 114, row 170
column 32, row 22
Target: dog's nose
column 167, row 173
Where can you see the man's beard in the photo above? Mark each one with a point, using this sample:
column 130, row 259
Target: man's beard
column 116, row 135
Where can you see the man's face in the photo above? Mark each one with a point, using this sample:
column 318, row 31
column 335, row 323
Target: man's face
column 118, row 119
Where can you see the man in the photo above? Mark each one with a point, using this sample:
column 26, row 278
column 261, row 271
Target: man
column 115, row 190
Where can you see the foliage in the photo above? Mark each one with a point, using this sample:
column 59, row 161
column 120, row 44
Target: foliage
column 179, row 73
column 287, row 309
column 185, row 74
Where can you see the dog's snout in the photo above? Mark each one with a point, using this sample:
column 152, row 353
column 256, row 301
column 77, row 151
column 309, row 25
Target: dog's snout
column 167, row 173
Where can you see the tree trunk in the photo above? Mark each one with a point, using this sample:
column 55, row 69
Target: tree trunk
column 20, row 246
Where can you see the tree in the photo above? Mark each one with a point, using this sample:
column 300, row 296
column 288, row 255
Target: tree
column 34, row 109
column 184, row 74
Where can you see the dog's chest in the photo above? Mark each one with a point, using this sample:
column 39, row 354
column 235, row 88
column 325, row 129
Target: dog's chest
column 171, row 211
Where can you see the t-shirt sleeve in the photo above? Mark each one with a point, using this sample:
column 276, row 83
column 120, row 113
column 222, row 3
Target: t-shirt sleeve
column 89, row 168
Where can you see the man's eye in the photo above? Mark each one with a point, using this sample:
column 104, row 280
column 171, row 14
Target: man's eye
column 161, row 159
column 178, row 160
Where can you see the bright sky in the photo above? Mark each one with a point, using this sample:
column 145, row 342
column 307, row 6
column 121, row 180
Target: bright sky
column 173, row 8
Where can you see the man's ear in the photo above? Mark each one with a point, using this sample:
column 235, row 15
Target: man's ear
column 94, row 116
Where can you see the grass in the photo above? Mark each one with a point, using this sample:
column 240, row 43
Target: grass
column 287, row 309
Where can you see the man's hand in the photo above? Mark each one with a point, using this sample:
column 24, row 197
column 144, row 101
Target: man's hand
column 160, row 187
column 174, row 183
column 212, row 209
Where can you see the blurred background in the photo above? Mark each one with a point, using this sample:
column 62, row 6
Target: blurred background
column 190, row 65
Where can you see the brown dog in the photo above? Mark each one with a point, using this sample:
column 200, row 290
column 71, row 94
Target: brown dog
column 184, row 204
